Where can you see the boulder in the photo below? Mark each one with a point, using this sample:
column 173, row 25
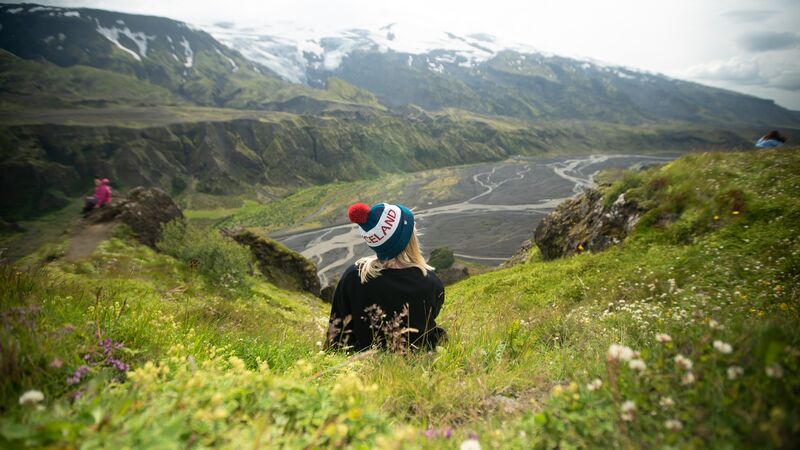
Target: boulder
column 278, row 264
column 452, row 274
column 583, row 223
column 144, row 210
column 327, row 292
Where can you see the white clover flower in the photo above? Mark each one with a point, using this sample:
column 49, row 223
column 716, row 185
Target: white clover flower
column 663, row 338
column 594, row 384
column 628, row 410
column 32, row 397
column 683, row 362
column 637, row 365
column 723, row 347
column 774, row 370
column 687, row 378
column 673, row 425
column 470, row 444
column 666, row 402
column 734, row 372
column 618, row 352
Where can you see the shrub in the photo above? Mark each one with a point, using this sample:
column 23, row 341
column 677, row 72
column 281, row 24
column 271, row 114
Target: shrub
column 214, row 256
column 442, row 258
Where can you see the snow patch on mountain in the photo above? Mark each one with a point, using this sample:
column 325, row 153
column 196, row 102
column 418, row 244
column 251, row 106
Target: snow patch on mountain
column 139, row 38
column 234, row 67
column 290, row 50
column 188, row 53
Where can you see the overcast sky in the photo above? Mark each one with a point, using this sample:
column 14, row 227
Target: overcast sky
column 746, row 45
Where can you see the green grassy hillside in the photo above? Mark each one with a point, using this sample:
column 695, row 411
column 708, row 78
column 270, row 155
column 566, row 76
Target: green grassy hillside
column 37, row 84
column 703, row 297
column 259, row 155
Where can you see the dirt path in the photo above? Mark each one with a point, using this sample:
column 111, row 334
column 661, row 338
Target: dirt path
column 86, row 238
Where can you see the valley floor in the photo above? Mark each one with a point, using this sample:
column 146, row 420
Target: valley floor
column 684, row 336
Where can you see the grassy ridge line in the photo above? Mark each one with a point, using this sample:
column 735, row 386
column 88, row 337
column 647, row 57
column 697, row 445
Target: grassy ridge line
column 716, row 258
column 319, row 206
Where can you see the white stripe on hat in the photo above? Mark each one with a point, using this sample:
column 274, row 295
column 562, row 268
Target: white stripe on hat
column 385, row 228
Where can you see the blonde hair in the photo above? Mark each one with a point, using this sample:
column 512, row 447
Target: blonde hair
column 411, row 256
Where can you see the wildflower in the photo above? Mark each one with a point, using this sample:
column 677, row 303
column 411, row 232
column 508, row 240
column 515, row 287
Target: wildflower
column 618, row 352
column 736, row 213
column 628, row 410
column 774, row 370
column 687, row 378
column 663, row 338
column 683, row 362
column 580, row 247
column 714, row 325
column 56, row 363
column 470, row 444
column 32, row 398
column 716, row 217
column 76, row 376
column 666, row 402
column 673, row 425
column 594, row 384
column 723, row 347
column 734, row 372
column 637, row 365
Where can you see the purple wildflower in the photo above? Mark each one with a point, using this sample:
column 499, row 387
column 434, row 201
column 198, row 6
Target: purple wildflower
column 76, row 377
column 117, row 364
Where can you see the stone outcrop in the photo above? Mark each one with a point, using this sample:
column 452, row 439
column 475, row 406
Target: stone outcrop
column 327, row 292
column 281, row 266
column 452, row 274
column 144, row 210
column 520, row 256
column 583, row 223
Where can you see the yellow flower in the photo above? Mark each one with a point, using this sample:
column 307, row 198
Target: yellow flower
column 736, row 213
column 716, row 217
column 580, row 247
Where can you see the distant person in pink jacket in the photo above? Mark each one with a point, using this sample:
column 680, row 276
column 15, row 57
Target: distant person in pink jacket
column 101, row 197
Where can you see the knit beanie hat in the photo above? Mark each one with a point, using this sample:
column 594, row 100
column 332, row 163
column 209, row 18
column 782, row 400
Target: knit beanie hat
column 386, row 228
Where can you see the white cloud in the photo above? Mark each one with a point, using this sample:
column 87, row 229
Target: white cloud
column 736, row 69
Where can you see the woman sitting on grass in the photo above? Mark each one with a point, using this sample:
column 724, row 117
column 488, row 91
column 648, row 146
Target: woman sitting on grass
column 390, row 300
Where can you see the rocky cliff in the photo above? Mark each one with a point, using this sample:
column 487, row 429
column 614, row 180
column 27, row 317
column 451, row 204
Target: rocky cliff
column 144, row 210
column 584, row 223
column 281, row 266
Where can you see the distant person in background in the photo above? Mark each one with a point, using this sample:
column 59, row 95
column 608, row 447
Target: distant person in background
column 389, row 300
column 101, row 197
column 771, row 140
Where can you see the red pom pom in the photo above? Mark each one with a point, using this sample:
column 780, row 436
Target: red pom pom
column 358, row 213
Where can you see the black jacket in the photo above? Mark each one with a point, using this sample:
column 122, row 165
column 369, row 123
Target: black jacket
column 396, row 310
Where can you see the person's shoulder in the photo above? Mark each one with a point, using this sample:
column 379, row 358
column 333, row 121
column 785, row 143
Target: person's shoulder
column 434, row 280
column 350, row 272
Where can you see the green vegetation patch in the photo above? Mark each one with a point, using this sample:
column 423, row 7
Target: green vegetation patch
column 684, row 336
